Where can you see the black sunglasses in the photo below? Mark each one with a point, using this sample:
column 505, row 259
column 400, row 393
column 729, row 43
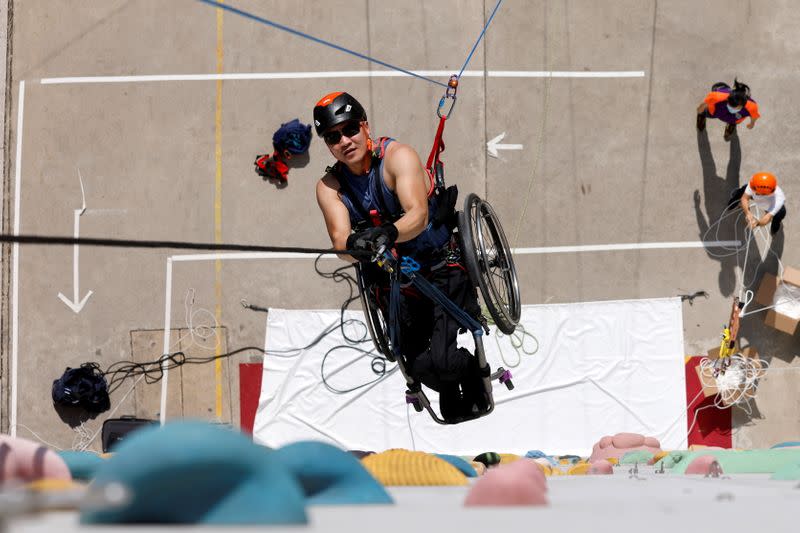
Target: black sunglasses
column 350, row 129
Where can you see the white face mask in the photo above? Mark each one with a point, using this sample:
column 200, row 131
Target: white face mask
column 733, row 110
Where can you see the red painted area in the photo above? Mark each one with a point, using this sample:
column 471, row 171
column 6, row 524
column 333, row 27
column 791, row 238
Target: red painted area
column 249, row 393
column 713, row 425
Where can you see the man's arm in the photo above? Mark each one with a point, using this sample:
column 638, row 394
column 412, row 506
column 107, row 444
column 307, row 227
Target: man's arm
column 337, row 218
column 406, row 176
column 751, row 220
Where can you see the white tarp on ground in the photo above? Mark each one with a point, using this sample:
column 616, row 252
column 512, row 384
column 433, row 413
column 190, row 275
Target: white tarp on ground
column 601, row 368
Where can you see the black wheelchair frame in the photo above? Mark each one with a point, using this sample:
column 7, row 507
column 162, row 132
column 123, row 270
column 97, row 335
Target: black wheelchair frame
column 487, row 258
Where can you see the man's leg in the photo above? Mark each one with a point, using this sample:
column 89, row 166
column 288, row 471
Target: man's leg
column 701, row 122
column 457, row 363
column 730, row 129
column 776, row 221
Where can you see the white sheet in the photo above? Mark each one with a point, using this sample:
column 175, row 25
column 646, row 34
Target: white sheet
column 601, row 368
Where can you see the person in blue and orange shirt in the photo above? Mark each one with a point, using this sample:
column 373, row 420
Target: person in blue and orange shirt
column 731, row 106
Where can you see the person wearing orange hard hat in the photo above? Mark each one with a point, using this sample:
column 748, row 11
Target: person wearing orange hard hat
column 762, row 190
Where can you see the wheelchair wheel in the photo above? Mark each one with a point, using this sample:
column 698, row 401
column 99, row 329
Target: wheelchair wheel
column 488, row 260
column 374, row 318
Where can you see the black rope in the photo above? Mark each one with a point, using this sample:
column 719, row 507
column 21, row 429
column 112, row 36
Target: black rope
column 377, row 362
column 153, row 371
column 129, row 243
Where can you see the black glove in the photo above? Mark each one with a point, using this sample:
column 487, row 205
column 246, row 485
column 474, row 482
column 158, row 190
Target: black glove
column 446, row 207
column 373, row 239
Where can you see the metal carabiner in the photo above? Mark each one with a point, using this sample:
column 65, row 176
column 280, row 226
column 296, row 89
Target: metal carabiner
column 450, row 93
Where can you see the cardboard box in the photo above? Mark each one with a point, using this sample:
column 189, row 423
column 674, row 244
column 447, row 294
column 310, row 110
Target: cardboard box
column 709, row 383
column 766, row 297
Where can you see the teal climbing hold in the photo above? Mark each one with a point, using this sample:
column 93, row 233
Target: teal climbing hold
column 82, row 465
column 636, row 456
column 195, row 473
column 331, row 476
column 459, row 463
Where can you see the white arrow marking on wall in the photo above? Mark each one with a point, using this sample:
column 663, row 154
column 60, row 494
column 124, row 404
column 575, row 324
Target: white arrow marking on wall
column 494, row 145
column 75, row 304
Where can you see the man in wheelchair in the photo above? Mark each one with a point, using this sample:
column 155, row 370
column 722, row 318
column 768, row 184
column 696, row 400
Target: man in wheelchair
column 378, row 195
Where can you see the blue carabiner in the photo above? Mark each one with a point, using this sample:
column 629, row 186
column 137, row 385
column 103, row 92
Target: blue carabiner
column 408, row 264
column 449, row 93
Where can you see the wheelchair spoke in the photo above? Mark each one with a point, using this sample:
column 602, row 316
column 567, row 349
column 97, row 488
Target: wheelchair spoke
column 492, row 267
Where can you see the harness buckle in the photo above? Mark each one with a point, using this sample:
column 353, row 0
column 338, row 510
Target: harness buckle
column 375, row 217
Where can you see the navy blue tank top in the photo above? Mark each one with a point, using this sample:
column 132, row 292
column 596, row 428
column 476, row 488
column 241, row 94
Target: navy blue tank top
column 367, row 193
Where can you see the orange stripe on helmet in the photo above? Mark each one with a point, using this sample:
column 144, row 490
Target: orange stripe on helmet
column 327, row 99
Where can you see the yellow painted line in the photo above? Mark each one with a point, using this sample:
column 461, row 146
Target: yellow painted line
column 218, row 218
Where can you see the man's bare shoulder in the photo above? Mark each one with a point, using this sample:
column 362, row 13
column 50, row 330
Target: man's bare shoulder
column 327, row 188
column 401, row 158
column 396, row 149
column 328, row 182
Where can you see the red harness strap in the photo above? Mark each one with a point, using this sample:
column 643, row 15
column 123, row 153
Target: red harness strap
column 438, row 146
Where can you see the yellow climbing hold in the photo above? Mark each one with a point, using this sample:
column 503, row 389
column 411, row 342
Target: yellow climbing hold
column 657, row 457
column 545, row 468
column 506, row 458
column 580, row 469
column 404, row 467
column 54, row 485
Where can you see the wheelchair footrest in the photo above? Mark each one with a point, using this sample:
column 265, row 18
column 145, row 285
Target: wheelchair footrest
column 417, row 399
column 504, row 377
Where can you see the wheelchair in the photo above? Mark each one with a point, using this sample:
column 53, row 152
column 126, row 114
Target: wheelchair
column 487, row 258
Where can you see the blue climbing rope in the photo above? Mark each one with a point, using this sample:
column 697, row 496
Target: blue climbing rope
column 483, row 32
column 299, row 33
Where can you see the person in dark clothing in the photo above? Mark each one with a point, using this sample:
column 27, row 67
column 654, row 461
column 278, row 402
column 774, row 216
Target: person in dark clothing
column 379, row 194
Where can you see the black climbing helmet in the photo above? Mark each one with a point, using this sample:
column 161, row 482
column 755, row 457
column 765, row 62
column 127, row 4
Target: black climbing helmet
column 335, row 108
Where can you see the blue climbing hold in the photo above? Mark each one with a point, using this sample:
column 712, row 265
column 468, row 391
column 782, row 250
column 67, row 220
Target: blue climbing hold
column 195, row 473
column 82, row 465
column 331, row 476
column 459, row 462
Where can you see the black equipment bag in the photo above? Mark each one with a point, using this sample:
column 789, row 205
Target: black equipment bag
column 116, row 429
column 84, row 387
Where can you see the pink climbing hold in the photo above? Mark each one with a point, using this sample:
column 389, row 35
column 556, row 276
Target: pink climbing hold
column 601, row 467
column 705, row 465
column 622, row 443
column 25, row 460
column 512, row 484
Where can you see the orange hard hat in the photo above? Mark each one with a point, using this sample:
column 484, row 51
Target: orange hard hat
column 763, row 183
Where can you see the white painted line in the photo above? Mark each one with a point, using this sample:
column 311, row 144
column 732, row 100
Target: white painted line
column 565, row 74
column 339, row 74
column 76, row 304
column 15, row 266
column 626, row 246
column 162, row 415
